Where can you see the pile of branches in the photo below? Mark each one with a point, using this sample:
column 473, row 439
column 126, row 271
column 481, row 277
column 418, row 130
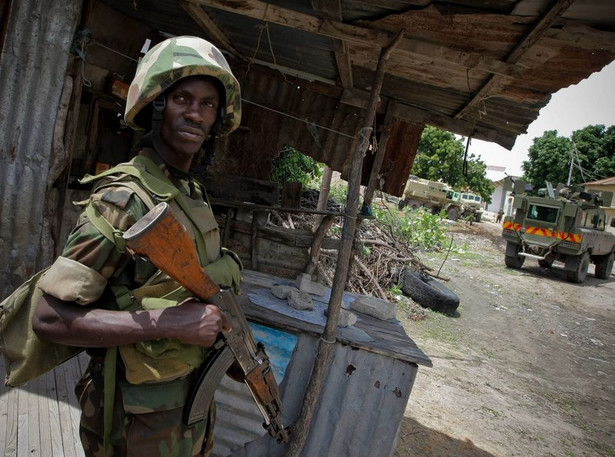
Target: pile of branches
column 379, row 256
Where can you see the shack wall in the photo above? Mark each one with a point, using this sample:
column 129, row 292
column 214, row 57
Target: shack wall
column 33, row 65
column 359, row 411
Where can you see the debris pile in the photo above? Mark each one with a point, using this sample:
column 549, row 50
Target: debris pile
column 378, row 259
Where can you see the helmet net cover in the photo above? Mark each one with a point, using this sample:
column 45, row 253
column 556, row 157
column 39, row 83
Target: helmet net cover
column 175, row 59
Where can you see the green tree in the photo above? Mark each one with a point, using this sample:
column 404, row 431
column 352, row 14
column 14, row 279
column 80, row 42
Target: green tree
column 591, row 150
column 440, row 157
column 549, row 160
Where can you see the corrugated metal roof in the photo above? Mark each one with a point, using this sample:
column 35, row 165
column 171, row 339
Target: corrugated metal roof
column 487, row 67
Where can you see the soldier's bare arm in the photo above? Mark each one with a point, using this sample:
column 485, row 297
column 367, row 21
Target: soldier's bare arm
column 66, row 323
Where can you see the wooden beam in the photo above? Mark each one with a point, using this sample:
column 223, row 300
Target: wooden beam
column 554, row 13
column 461, row 127
column 360, row 99
column 332, row 10
column 207, row 24
column 266, row 12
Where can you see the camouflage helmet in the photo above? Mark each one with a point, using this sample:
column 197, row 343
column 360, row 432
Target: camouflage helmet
column 174, row 59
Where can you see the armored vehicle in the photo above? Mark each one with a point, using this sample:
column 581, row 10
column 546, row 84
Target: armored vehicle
column 471, row 206
column 433, row 195
column 563, row 226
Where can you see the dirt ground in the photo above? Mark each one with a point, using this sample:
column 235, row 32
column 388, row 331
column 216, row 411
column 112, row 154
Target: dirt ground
column 525, row 369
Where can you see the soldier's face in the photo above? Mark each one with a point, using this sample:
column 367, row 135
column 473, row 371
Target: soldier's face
column 190, row 112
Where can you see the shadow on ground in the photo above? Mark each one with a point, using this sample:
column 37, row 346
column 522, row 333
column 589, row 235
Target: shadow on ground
column 417, row 440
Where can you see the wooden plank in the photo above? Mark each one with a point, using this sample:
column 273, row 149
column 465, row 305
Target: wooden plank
column 34, row 439
column 28, row 427
column 207, row 24
column 64, row 413
column 554, row 13
column 72, row 373
column 12, row 411
column 22, row 431
column 43, row 417
column 268, row 12
column 459, row 126
column 55, row 432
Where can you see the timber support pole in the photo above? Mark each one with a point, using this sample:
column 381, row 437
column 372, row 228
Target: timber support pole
column 301, row 427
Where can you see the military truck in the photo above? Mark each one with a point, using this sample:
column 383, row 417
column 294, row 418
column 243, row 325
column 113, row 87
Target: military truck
column 437, row 196
column 433, row 195
column 471, row 206
column 560, row 225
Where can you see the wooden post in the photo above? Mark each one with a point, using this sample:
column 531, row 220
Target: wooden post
column 319, row 236
column 379, row 158
column 325, row 188
column 326, row 343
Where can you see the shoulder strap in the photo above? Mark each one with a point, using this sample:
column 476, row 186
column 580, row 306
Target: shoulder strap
column 105, row 228
column 146, row 172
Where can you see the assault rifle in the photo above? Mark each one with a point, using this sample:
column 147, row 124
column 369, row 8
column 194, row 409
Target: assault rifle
column 160, row 237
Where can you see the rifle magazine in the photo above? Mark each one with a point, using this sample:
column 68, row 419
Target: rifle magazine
column 208, row 377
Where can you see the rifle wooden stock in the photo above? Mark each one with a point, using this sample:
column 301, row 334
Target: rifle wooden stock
column 159, row 237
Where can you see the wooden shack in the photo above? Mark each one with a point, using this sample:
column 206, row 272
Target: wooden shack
column 351, row 84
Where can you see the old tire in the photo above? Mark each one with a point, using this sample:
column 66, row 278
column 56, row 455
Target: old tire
column 580, row 272
column 452, row 213
column 428, row 292
column 604, row 266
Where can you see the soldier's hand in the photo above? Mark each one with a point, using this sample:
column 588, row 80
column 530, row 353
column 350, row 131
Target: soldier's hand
column 198, row 323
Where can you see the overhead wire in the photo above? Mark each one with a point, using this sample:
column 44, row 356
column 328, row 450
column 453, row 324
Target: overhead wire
column 309, row 123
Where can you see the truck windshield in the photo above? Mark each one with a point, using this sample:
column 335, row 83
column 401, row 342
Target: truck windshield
column 542, row 213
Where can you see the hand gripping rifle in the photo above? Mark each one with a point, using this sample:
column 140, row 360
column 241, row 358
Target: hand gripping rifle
column 161, row 238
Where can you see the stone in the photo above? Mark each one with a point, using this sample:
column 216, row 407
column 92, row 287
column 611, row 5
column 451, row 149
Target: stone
column 300, row 300
column 305, row 283
column 282, row 290
column 346, row 319
column 374, row 307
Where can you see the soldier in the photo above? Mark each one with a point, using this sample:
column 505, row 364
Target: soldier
column 145, row 333
column 498, row 219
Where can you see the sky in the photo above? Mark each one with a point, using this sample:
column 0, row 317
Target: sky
column 590, row 102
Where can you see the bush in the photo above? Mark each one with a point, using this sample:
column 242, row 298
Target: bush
column 419, row 228
column 293, row 166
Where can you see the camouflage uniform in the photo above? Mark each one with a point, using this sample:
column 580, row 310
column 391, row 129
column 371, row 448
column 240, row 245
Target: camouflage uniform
column 152, row 380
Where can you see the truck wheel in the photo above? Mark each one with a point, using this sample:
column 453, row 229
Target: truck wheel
column 428, row 292
column 604, row 266
column 513, row 261
column 452, row 213
column 580, row 272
